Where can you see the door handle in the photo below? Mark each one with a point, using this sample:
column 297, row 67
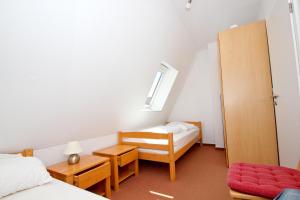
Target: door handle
column 275, row 97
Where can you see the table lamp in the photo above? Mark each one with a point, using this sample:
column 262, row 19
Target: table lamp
column 73, row 149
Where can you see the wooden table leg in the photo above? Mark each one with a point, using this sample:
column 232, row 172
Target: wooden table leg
column 107, row 187
column 116, row 173
column 172, row 170
column 136, row 167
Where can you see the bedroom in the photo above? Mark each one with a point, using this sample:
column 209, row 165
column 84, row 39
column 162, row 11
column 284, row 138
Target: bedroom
column 77, row 76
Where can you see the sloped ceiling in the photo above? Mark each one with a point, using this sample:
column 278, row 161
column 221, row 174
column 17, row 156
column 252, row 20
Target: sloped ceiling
column 79, row 69
column 208, row 17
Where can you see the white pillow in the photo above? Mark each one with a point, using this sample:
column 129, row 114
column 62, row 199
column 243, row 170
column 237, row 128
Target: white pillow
column 21, row 173
column 183, row 127
column 173, row 129
column 182, row 124
column 156, row 129
column 10, row 155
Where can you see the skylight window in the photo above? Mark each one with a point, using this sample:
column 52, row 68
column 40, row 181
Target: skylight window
column 161, row 87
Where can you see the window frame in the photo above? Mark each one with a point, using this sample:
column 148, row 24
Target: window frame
column 154, row 88
column 161, row 87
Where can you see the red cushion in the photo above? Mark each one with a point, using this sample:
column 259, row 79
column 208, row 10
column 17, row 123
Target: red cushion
column 262, row 180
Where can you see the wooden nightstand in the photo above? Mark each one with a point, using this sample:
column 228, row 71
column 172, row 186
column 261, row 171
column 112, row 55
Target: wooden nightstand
column 89, row 171
column 124, row 160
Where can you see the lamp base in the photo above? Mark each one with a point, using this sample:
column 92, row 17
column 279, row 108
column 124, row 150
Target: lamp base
column 73, row 159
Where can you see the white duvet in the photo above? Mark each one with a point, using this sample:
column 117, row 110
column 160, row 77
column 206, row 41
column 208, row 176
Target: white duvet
column 55, row 190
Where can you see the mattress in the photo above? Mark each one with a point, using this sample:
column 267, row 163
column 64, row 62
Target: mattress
column 179, row 140
column 55, row 190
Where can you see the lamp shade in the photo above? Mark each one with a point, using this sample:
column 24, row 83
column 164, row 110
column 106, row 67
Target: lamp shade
column 73, row 148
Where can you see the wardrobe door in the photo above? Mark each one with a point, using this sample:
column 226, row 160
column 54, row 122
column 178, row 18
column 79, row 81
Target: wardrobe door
column 247, row 95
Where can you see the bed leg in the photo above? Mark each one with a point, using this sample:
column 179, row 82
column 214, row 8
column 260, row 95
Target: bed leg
column 172, row 171
column 200, row 134
column 200, row 142
column 171, row 157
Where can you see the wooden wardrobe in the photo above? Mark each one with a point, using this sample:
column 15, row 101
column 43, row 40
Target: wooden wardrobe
column 248, row 104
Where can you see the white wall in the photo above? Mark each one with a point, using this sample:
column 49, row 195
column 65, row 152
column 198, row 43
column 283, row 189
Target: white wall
column 215, row 84
column 76, row 70
column 285, row 82
column 265, row 9
column 200, row 97
column 55, row 154
column 194, row 103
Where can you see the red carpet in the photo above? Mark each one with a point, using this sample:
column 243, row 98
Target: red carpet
column 201, row 175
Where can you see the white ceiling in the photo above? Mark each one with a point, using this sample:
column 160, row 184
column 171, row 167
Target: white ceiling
column 208, row 17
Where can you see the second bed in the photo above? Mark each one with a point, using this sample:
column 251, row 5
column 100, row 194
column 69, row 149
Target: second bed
column 164, row 143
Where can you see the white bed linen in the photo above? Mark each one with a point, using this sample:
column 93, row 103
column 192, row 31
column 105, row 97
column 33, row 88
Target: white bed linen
column 179, row 140
column 55, row 190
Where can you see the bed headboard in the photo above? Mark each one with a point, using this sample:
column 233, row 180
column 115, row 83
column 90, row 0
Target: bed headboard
column 27, row 152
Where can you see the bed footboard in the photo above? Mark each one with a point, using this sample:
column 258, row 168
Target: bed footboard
column 169, row 147
column 145, row 135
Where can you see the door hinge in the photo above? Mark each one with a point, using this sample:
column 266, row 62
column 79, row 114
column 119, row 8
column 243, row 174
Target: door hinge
column 291, row 7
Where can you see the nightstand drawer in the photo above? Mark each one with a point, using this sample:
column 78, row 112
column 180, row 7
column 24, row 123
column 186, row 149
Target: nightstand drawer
column 127, row 157
column 91, row 177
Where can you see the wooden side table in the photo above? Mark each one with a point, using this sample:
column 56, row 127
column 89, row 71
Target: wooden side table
column 89, row 171
column 124, row 160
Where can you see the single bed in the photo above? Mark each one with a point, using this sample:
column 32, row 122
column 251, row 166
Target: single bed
column 55, row 190
column 163, row 147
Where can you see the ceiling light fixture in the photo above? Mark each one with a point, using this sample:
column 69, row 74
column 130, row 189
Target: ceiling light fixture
column 188, row 5
column 234, row 26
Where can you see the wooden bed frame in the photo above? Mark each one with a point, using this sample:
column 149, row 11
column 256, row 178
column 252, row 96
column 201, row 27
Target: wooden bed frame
column 171, row 157
column 241, row 196
column 27, row 152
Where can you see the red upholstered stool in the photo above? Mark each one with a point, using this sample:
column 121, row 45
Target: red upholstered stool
column 261, row 181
